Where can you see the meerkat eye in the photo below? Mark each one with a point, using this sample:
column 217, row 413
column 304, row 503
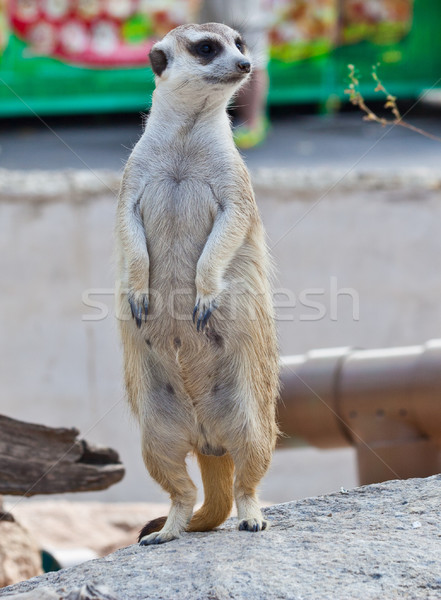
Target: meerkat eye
column 205, row 49
column 239, row 45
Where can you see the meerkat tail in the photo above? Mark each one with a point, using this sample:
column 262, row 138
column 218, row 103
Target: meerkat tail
column 152, row 526
column 217, row 476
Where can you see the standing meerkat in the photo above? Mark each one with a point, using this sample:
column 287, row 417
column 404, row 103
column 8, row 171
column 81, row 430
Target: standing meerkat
column 193, row 298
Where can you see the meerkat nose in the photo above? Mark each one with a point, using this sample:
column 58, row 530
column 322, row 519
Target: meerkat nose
column 243, row 66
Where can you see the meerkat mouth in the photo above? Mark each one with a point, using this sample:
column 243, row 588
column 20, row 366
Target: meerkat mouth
column 234, row 78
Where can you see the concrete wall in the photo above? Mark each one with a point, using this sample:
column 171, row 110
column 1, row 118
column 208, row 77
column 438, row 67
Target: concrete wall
column 378, row 239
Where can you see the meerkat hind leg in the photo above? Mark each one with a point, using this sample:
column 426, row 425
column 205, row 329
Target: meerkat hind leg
column 249, row 513
column 174, row 478
column 249, row 471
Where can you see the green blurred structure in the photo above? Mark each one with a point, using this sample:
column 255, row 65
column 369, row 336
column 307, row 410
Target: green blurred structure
column 308, row 72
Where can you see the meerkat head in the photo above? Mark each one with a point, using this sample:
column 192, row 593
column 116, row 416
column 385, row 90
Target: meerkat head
column 201, row 57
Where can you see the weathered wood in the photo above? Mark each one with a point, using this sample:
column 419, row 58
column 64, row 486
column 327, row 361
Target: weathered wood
column 35, row 459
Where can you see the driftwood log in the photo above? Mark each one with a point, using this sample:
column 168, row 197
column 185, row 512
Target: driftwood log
column 35, row 459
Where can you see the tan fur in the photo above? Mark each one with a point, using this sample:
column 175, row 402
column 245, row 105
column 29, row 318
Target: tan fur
column 188, row 231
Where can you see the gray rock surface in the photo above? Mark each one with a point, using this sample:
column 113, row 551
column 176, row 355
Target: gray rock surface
column 375, row 542
column 85, row 592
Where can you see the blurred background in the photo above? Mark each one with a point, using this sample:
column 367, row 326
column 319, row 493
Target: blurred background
column 351, row 209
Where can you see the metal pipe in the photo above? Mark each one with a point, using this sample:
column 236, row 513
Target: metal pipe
column 386, row 403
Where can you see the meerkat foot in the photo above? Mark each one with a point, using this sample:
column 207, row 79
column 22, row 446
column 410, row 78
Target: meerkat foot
column 158, row 537
column 139, row 305
column 253, row 525
column 202, row 312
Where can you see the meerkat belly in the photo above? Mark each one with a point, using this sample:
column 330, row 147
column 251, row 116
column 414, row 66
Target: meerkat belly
column 178, row 217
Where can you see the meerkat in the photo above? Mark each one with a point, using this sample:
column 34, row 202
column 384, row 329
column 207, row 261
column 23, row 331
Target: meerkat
column 193, row 298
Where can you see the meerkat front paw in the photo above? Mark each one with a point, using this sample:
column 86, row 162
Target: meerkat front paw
column 157, row 537
column 139, row 305
column 203, row 310
column 208, row 289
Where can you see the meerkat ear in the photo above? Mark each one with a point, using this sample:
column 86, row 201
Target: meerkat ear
column 158, row 61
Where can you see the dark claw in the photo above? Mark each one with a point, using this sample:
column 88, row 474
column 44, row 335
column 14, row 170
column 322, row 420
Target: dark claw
column 195, row 310
column 246, row 526
column 137, row 311
column 206, row 317
column 157, row 540
column 203, row 318
column 132, row 306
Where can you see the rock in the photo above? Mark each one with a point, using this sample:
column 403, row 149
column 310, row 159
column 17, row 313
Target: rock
column 344, row 546
column 38, row 594
column 19, row 555
column 91, row 592
column 85, row 592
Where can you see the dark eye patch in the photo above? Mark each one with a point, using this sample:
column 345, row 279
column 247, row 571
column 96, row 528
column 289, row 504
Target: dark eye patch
column 205, row 50
column 240, row 44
